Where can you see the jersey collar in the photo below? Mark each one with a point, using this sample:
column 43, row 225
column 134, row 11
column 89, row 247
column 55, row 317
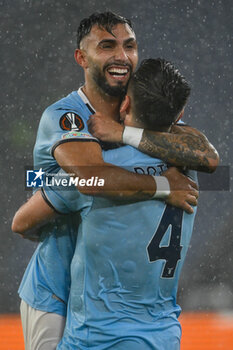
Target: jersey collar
column 85, row 100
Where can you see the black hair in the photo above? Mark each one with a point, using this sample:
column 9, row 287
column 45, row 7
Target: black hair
column 159, row 91
column 105, row 20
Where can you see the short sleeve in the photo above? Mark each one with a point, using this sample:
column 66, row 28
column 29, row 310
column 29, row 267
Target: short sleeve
column 59, row 126
column 65, row 200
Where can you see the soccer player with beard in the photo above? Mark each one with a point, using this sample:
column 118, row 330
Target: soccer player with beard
column 107, row 52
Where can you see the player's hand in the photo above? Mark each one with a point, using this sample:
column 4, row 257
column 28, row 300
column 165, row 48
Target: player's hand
column 184, row 191
column 104, row 128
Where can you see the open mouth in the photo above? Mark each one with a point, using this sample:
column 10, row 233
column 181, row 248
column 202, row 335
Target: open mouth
column 118, row 73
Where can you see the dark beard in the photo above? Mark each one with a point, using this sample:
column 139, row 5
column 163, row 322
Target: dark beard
column 114, row 91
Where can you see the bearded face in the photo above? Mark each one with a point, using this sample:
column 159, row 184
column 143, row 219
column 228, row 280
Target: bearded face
column 119, row 73
column 110, row 58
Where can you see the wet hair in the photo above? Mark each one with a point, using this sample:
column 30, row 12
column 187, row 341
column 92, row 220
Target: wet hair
column 159, row 92
column 104, row 20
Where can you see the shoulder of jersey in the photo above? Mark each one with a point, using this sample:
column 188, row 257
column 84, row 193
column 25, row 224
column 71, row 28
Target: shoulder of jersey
column 72, row 102
column 71, row 112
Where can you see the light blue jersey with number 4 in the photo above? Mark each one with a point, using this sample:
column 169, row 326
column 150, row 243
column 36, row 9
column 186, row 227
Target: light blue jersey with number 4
column 126, row 267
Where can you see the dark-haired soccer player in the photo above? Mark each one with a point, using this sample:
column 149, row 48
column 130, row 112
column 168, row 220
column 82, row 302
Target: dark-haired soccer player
column 128, row 258
column 108, row 54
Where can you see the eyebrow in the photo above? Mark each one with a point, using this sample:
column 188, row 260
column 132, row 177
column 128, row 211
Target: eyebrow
column 130, row 40
column 114, row 40
column 107, row 41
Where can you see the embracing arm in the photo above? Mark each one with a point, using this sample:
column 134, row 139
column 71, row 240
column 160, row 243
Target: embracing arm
column 183, row 146
column 31, row 216
column 84, row 160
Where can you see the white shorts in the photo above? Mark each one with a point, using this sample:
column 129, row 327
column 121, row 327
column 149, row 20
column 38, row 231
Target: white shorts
column 41, row 330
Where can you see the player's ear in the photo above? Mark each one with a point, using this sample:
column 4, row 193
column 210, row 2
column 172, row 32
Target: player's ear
column 125, row 105
column 125, row 111
column 180, row 115
column 81, row 58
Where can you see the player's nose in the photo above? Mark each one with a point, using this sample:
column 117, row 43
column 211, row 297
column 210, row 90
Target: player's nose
column 120, row 54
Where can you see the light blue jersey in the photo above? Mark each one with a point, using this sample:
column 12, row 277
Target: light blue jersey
column 46, row 282
column 126, row 267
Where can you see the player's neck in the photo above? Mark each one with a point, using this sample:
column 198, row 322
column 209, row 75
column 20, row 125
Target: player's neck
column 101, row 102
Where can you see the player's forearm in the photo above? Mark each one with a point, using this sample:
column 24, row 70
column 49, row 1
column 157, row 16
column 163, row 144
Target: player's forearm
column 113, row 182
column 184, row 146
column 120, row 184
column 186, row 150
column 86, row 162
column 27, row 226
column 32, row 234
column 31, row 216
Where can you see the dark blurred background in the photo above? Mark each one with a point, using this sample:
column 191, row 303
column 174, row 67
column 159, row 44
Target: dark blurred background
column 37, row 68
